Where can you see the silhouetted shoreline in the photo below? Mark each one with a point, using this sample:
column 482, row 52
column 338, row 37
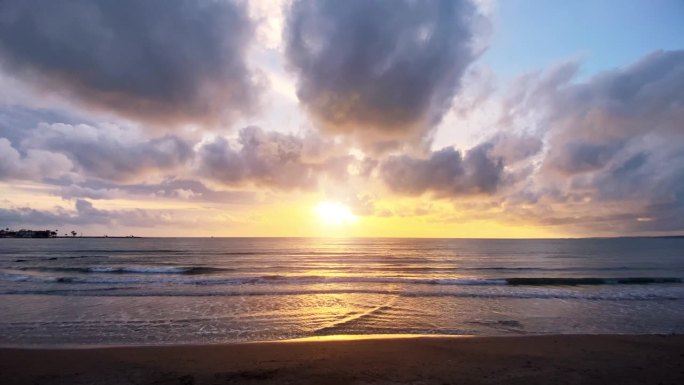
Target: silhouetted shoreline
column 101, row 236
column 46, row 234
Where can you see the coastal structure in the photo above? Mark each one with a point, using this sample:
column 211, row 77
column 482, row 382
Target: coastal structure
column 24, row 233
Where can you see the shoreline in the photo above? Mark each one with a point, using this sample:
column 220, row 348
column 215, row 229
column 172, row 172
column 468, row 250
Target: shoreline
column 321, row 339
column 412, row 359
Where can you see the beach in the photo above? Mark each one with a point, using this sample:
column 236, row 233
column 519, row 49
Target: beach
column 568, row 359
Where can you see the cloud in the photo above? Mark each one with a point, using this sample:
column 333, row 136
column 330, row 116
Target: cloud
column 515, row 147
column 84, row 213
column 597, row 157
column 592, row 122
column 34, row 165
column 448, row 173
column 384, row 71
column 110, row 152
column 171, row 188
column 445, row 173
column 269, row 158
column 108, row 161
column 614, row 148
column 161, row 61
column 16, row 121
column 578, row 156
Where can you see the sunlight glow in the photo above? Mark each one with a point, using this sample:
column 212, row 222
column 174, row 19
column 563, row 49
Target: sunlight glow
column 335, row 213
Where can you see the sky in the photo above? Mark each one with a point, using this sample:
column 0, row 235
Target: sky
column 455, row 118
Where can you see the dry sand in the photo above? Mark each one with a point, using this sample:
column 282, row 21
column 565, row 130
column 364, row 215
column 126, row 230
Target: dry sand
column 481, row 360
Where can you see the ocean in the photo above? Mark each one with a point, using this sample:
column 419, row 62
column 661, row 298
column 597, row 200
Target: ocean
column 136, row 291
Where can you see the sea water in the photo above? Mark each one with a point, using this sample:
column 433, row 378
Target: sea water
column 81, row 291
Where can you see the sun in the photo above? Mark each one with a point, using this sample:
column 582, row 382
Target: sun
column 335, row 213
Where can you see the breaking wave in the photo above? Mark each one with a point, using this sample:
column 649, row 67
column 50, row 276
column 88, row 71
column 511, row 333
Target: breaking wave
column 132, row 269
column 198, row 276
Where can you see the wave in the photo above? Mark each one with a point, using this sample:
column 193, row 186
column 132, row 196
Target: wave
column 591, row 281
column 349, row 265
column 168, row 277
column 135, row 251
column 190, row 270
column 218, row 280
column 536, row 293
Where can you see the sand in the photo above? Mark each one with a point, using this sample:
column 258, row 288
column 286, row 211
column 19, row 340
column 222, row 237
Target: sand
column 480, row 360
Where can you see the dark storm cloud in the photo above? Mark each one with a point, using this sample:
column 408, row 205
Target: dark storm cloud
column 268, row 158
column 111, row 153
column 156, row 60
column 385, row 70
column 446, row 173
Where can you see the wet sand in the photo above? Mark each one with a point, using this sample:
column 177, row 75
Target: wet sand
column 479, row 360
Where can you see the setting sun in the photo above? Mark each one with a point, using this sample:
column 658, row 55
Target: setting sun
column 335, row 213
column 186, row 178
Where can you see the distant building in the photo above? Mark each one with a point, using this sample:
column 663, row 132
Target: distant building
column 7, row 233
column 24, row 233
